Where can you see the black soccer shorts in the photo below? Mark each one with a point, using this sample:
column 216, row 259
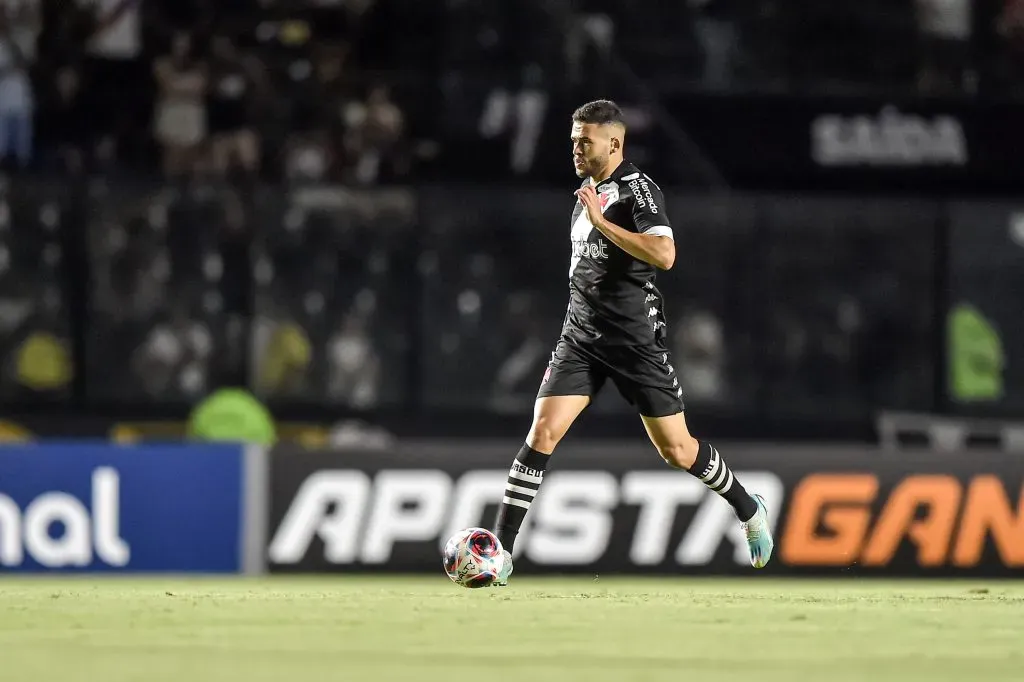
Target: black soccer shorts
column 644, row 375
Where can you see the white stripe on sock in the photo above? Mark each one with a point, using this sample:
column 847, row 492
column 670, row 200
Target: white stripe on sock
column 519, row 489
column 713, row 464
column 723, row 472
column 515, row 502
column 727, row 485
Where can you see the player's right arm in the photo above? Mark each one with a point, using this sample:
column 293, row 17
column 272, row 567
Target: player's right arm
column 655, row 249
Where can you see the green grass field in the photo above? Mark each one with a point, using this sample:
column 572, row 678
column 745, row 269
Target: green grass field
column 427, row 629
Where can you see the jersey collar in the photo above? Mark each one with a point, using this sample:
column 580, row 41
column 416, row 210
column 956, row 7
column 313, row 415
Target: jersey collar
column 625, row 168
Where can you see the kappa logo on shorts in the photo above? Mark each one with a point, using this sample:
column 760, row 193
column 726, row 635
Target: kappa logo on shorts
column 547, row 375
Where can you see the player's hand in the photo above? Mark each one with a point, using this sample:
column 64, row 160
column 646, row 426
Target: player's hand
column 588, row 197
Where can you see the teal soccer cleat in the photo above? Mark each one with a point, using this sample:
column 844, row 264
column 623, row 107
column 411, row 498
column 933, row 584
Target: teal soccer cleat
column 506, row 570
column 759, row 535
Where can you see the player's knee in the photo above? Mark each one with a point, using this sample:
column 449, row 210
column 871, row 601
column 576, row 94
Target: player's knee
column 679, row 455
column 543, row 435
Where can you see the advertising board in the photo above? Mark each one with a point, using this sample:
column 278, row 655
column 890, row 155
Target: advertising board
column 605, row 509
column 101, row 507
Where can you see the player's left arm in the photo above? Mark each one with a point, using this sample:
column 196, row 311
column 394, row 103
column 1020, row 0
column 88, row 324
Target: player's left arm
column 652, row 242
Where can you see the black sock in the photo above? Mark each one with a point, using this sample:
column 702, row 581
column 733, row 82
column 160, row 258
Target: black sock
column 524, row 479
column 712, row 470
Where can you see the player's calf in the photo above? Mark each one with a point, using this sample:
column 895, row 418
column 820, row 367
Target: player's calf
column 524, row 479
column 552, row 417
column 702, row 460
column 544, row 435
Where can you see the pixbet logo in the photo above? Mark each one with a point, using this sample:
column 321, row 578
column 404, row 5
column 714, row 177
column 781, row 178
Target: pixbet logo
column 360, row 519
column 82, row 536
column 582, row 247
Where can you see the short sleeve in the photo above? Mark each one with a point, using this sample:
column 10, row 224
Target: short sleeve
column 649, row 213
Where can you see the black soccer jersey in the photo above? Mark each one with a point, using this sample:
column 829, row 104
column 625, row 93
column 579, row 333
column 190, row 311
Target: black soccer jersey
column 612, row 297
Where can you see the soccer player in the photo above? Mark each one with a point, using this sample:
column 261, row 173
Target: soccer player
column 615, row 329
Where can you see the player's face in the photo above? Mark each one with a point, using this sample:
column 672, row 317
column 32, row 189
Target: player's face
column 591, row 148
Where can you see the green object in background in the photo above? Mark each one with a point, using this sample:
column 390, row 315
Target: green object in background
column 976, row 356
column 232, row 414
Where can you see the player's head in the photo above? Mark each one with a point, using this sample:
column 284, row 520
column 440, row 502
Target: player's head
column 598, row 133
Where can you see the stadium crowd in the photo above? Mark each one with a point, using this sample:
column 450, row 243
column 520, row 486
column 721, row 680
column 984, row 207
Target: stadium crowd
column 176, row 111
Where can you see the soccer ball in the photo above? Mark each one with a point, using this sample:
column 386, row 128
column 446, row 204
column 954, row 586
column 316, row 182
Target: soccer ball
column 473, row 557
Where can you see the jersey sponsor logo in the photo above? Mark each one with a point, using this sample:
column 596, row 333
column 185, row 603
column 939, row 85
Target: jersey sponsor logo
column 833, row 521
column 642, row 191
column 83, row 532
column 631, row 176
column 360, row 519
column 580, row 232
column 582, row 248
column 608, row 195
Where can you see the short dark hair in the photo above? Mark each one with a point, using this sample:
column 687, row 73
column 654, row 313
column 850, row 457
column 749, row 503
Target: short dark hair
column 601, row 112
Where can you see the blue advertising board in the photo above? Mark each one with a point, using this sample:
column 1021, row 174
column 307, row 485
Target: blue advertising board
column 103, row 507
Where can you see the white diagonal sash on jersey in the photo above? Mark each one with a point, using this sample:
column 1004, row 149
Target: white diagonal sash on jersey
column 582, row 228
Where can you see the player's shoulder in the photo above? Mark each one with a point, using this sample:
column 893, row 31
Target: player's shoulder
column 629, row 174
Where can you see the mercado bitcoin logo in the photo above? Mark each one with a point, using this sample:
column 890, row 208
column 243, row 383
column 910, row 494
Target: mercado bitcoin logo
column 844, row 519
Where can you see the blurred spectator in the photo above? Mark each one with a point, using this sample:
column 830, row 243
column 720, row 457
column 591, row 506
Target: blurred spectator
column 44, row 364
column 235, row 142
column 174, row 358
column 519, row 374
column 588, row 46
column 1010, row 27
column 34, row 343
column 314, row 150
column 719, row 42
column 115, row 71
column 374, row 136
column 281, row 351
column 309, row 157
column 64, row 124
column 700, row 348
column 354, row 366
column 519, row 117
column 180, row 116
column 24, row 21
column 17, row 102
column 945, row 35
